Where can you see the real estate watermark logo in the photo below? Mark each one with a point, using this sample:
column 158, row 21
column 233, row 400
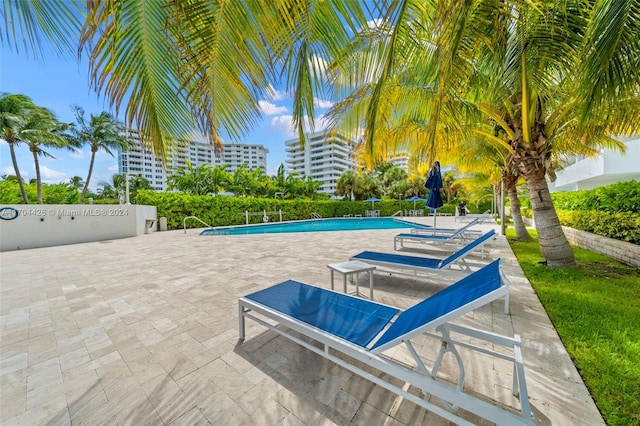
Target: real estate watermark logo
column 8, row 213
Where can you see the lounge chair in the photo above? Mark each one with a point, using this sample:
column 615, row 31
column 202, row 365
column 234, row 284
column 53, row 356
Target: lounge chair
column 422, row 264
column 450, row 231
column 363, row 330
column 459, row 237
column 471, row 216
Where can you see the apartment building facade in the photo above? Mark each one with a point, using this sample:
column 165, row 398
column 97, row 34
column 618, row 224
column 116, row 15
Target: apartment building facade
column 607, row 167
column 325, row 156
column 198, row 152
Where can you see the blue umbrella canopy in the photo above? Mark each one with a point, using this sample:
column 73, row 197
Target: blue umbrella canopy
column 372, row 200
column 434, row 184
column 414, row 199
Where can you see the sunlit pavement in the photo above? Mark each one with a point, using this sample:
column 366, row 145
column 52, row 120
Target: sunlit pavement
column 144, row 330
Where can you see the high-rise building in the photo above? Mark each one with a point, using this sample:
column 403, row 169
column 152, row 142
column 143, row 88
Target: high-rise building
column 142, row 162
column 325, row 156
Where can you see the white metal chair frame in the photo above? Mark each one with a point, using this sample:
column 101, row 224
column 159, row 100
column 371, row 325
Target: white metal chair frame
column 417, row 375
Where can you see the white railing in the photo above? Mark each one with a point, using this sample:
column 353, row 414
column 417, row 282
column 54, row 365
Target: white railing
column 315, row 215
column 398, row 213
column 184, row 222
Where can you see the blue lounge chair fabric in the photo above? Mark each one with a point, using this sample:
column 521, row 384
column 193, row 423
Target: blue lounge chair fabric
column 420, row 263
column 355, row 320
column 459, row 237
column 311, row 311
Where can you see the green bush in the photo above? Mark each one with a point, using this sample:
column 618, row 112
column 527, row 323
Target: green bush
column 619, row 197
column 223, row 210
column 620, row 226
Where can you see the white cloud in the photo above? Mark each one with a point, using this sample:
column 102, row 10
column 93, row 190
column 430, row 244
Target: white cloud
column 113, row 168
column 8, row 171
column 375, row 23
column 283, row 123
column 276, row 95
column 268, row 108
column 322, row 103
column 78, row 154
column 52, row 176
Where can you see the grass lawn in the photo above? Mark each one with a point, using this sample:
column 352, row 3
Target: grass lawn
column 596, row 311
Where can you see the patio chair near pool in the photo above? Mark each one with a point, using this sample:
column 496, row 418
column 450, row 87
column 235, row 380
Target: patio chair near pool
column 425, row 264
column 456, row 238
column 344, row 329
column 447, row 232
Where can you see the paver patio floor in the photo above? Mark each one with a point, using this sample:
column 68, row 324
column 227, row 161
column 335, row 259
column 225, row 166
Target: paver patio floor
column 144, row 330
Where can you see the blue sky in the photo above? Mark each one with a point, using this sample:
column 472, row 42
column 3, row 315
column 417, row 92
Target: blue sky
column 59, row 83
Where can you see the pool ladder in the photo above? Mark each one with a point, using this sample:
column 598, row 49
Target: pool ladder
column 184, row 222
column 315, row 215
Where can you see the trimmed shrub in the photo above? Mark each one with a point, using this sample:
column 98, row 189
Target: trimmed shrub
column 620, row 226
column 224, row 210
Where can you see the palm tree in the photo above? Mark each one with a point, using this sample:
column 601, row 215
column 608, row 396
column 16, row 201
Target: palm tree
column 347, row 184
column 100, row 132
column 76, row 182
column 567, row 74
column 114, row 189
column 192, row 180
column 511, row 72
column 42, row 129
column 13, row 110
column 219, row 179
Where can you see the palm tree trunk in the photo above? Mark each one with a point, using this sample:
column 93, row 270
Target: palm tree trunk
column 38, row 180
column 553, row 243
column 516, row 214
column 17, row 171
column 86, row 183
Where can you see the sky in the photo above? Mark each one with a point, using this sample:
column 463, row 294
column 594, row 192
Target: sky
column 59, row 83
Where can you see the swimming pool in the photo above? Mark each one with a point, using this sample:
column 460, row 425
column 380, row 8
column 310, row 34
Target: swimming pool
column 316, row 225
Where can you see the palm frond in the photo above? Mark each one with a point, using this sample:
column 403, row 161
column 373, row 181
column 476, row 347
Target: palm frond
column 32, row 25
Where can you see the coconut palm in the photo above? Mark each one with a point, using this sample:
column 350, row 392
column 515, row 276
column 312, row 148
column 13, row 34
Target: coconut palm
column 563, row 75
column 102, row 133
column 76, row 182
column 516, row 73
column 13, row 111
column 348, row 184
column 192, row 180
column 42, row 129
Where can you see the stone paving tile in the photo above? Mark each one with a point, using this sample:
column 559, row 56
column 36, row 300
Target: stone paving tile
column 145, row 331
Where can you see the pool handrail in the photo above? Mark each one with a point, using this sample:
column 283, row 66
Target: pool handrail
column 184, row 222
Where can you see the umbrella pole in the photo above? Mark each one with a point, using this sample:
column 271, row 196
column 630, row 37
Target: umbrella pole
column 435, row 211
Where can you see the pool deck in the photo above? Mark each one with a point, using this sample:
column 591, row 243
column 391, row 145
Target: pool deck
column 144, row 330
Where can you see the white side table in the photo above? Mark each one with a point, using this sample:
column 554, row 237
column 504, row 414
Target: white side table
column 349, row 269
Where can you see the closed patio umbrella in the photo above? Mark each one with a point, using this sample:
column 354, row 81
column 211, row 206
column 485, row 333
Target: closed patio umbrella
column 434, row 184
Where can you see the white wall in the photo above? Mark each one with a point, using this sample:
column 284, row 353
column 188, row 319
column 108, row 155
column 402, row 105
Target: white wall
column 42, row 225
column 606, row 168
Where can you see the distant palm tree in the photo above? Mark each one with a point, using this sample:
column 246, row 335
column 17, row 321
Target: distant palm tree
column 192, row 180
column 76, row 182
column 42, row 129
column 13, row 109
column 100, row 132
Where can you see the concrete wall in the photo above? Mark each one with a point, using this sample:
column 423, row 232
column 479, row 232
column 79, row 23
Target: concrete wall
column 57, row 224
column 622, row 251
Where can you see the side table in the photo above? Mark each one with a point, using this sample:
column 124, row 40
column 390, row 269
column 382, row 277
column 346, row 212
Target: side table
column 349, row 269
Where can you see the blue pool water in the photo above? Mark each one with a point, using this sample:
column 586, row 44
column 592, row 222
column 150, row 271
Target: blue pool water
column 315, row 225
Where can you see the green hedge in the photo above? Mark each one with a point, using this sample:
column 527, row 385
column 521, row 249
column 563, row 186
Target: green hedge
column 620, row 226
column 621, row 197
column 224, row 210
column 611, row 211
